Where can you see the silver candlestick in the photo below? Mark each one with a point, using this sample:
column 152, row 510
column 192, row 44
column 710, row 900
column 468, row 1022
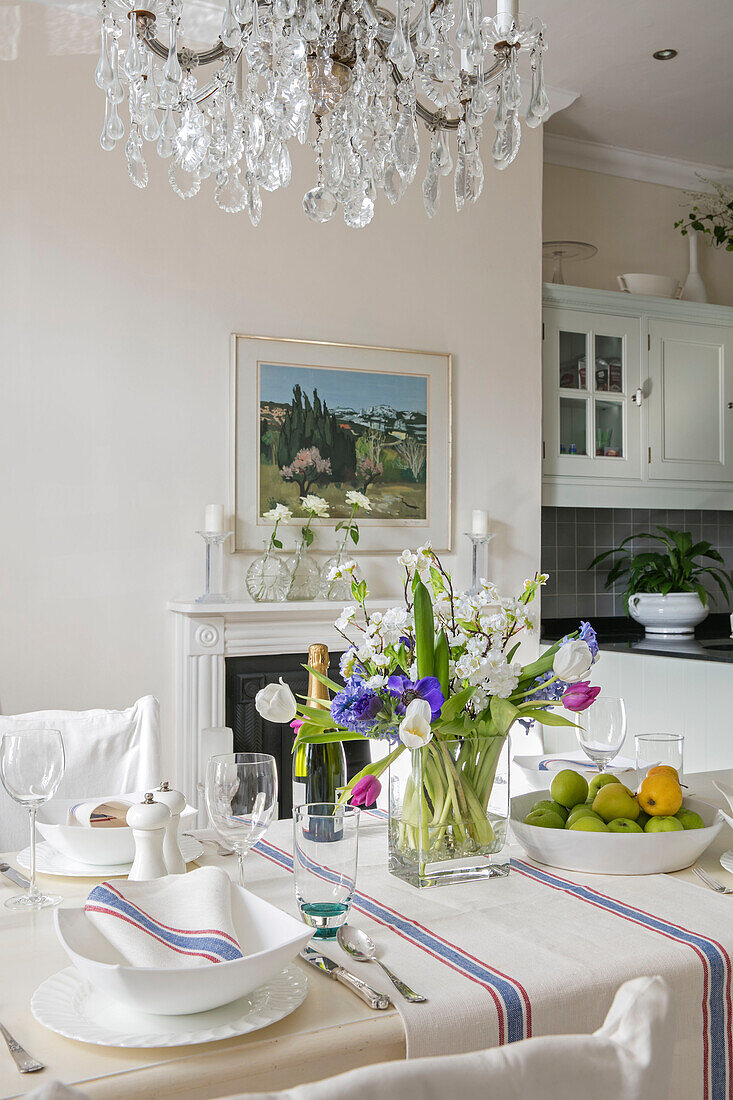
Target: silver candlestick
column 479, row 559
column 214, row 572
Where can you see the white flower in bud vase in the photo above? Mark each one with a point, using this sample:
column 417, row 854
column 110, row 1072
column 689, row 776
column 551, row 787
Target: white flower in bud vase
column 415, row 728
column 276, row 703
column 573, row 661
column 279, row 513
column 358, row 500
column 317, row 506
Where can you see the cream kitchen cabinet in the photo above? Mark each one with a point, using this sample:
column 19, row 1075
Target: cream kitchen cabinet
column 637, row 401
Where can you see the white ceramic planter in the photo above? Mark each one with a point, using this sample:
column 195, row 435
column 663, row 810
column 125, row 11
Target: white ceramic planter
column 676, row 613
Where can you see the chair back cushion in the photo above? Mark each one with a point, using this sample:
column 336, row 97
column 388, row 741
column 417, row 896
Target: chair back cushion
column 107, row 752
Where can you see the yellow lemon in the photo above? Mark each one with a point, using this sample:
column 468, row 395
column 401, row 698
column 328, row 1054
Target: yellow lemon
column 660, row 795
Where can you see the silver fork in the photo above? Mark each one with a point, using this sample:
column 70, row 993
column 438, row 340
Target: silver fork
column 710, row 882
column 21, row 1057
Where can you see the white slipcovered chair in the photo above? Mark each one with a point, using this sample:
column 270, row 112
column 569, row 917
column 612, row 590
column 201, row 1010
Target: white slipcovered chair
column 107, row 752
column 629, row 1058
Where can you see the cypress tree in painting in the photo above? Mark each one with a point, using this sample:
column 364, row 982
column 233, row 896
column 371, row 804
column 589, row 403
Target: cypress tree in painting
column 311, row 424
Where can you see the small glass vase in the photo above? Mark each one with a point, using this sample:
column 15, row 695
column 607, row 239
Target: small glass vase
column 268, row 578
column 340, row 587
column 449, row 812
column 305, row 576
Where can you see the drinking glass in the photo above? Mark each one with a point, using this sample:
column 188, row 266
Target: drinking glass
column 603, row 730
column 241, row 797
column 325, row 851
column 659, row 748
column 31, row 767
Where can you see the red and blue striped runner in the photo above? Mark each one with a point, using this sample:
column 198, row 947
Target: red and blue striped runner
column 514, row 1011
column 714, row 960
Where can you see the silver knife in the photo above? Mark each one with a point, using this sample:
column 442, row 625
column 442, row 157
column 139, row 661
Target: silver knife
column 14, row 876
column 327, row 966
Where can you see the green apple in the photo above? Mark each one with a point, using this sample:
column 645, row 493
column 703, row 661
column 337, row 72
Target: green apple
column 663, row 825
column 598, row 781
column 689, row 819
column 615, row 800
column 554, row 807
column 546, row 819
column 643, row 818
column 569, row 788
column 585, row 824
column 624, row 825
column 579, row 811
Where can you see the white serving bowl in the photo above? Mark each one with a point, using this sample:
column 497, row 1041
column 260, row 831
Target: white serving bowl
column 269, row 938
column 614, row 853
column 659, row 286
column 95, row 847
column 675, row 613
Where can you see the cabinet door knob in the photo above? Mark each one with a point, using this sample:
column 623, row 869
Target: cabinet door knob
column 638, row 397
column 730, row 404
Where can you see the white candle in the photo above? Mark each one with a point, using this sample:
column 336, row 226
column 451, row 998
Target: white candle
column 508, row 7
column 479, row 522
column 214, row 519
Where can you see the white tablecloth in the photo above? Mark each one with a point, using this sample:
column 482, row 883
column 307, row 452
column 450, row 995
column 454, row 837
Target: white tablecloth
column 539, row 952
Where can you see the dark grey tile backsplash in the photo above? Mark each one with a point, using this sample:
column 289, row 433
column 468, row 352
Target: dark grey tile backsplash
column 571, row 538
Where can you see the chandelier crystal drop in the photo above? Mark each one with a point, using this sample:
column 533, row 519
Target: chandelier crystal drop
column 345, row 77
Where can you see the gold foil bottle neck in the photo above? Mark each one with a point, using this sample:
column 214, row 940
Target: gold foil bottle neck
column 318, row 657
column 318, row 692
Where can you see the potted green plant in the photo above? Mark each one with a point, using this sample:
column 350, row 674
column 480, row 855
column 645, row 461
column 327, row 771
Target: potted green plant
column 666, row 589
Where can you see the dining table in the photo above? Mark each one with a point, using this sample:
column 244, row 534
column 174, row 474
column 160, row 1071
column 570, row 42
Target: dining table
column 540, row 951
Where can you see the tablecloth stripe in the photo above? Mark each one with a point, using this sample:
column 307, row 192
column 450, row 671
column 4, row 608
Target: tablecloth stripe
column 514, row 1010
column 716, row 968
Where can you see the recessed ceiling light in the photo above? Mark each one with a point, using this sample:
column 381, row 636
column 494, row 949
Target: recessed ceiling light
column 664, row 55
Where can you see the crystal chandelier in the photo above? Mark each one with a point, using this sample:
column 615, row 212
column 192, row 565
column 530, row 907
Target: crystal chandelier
column 345, row 77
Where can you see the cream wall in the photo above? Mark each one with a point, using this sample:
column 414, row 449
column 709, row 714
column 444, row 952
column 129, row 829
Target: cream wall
column 115, row 319
column 632, row 225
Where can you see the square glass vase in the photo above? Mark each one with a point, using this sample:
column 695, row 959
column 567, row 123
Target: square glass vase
column 449, row 812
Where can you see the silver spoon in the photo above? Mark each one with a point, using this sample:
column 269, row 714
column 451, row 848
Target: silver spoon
column 363, row 948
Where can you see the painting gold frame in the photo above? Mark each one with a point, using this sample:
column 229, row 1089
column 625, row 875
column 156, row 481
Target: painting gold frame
column 378, row 534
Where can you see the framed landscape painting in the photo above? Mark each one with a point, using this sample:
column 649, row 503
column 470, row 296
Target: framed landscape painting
column 328, row 418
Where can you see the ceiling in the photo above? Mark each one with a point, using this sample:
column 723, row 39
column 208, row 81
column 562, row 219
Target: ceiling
column 681, row 109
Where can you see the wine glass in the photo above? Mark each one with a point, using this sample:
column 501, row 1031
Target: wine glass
column 603, row 730
column 241, row 797
column 31, row 767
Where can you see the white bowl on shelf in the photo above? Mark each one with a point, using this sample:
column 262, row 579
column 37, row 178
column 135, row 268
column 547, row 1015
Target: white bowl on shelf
column 658, row 286
column 675, row 613
column 269, row 938
column 614, row 853
column 94, row 847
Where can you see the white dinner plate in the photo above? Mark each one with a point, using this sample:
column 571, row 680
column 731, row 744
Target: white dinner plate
column 67, row 1004
column 540, row 770
column 726, row 860
column 51, row 862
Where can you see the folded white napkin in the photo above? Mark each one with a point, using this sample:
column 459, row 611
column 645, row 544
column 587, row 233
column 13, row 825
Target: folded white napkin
column 101, row 813
column 180, row 920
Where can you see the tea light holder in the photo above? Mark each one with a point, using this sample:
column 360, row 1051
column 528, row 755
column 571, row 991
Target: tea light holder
column 214, row 571
column 479, row 559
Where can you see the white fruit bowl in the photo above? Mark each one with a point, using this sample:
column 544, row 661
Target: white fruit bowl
column 269, row 938
column 95, row 847
column 614, row 853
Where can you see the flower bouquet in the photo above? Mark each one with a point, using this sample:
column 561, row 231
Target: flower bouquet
column 437, row 683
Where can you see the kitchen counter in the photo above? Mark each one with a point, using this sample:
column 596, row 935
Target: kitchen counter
column 712, row 640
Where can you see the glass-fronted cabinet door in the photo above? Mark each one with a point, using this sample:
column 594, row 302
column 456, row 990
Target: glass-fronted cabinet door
column 591, row 419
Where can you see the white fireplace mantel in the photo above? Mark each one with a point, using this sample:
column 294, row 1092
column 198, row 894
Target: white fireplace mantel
column 207, row 633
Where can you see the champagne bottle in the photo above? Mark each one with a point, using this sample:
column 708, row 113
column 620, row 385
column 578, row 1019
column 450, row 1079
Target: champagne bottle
column 319, row 771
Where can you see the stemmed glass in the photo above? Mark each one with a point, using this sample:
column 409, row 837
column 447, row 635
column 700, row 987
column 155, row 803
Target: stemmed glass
column 603, row 730
column 241, row 797
column 31, row 767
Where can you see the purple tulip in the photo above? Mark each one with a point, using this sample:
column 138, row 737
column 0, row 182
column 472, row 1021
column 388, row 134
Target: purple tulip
column 580, row 696
column 366, row 791
column 406, row 690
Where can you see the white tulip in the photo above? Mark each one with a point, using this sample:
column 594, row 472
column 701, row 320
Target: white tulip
column 573, row 661
column 415, row 729
column 276, row 703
